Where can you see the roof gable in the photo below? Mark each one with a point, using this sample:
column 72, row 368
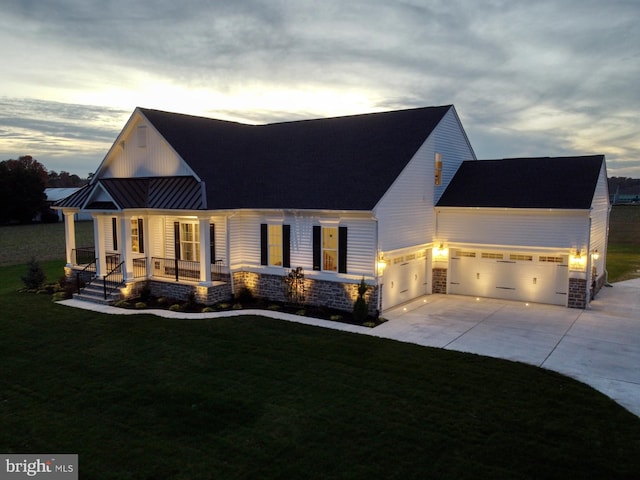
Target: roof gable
column 340, row 163
column 544, row 182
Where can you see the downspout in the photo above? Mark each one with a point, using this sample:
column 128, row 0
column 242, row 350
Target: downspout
column 589, row 268
column 606, row 250
column 376, row 268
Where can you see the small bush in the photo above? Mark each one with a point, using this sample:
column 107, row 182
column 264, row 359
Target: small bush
column 302, row 312
column 360, row 310
column 208, row 310
column 163, row 301
column 244, row 296
column 274, row 306
column 224, row 306
column 58, row 296
column 141, row 305
column 336, row 318
column 35, row 276
column 237, row 306
column 122, row 304
column 145, row 291
column 175, row 307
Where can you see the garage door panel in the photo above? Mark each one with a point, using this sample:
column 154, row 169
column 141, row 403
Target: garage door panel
column 405, row 278
column 496, row 275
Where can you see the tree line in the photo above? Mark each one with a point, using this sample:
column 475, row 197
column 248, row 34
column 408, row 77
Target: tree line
column 22, row 185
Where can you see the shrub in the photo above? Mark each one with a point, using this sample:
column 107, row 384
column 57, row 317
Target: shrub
column 302, row 312
column 56, row 297
column 140, row 305
column 175, row 307
column 208, row 310
column 360, row 310
column 237, row 306
column 35, row 276
column 122, row 304
column 336, row 318
column 145, row 291
column 244, row 295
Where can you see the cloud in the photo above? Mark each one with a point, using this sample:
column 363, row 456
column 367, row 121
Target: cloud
column 527, row 78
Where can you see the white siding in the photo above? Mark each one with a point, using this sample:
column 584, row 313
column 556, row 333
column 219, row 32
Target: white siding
column 157, row 237
column 600, row 221
column 361, row 247
column 108, row 232
column 155, row 159
column 512, row 228
column 405, row 213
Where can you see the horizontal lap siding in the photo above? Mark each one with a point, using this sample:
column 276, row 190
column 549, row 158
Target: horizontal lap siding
column 495, row 228
column 600, row 220
column 405, row 213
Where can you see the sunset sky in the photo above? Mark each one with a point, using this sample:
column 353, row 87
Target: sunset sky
column 528, row 78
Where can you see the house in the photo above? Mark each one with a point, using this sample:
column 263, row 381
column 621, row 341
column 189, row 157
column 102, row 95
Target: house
column 57, row 194
column 196, row 205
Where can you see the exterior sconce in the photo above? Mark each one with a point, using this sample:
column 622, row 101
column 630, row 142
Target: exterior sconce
column 382, row 264
column 578, row 262
column 440, row 253
column 595, row 255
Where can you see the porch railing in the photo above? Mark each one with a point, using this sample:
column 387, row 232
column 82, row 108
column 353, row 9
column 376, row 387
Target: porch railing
column 139, row 267
column 113, row 280
column 87, row 256
column 183, row 269
column 85, row 276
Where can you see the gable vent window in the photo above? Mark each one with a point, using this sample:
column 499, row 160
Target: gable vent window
column 438, row 169
column 142, row 136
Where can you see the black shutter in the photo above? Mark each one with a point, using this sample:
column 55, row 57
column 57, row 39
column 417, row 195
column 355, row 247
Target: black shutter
column 140, row 236
column 317, row 247
column 342, row 249
column 176, row 239
column 114, row 232
column 286, row 246
column 212, row 242
column 264, row 246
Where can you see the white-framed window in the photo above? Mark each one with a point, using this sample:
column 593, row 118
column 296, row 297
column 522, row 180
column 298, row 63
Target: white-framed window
column 330, row 249
column 190, row 241
column 135, row 236
column 275, row 245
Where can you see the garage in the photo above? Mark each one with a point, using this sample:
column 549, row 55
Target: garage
column 405, row 278
column 525, row 276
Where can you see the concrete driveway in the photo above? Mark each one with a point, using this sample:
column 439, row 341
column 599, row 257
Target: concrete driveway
column 599, row 346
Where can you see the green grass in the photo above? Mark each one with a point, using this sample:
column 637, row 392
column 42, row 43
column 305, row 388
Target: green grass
column 139, row 397
column 623, row 252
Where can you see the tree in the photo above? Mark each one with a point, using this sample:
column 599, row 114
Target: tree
column 22, row 184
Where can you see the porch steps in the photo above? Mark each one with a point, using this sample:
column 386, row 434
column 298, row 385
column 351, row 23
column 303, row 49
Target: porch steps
column 95, row 294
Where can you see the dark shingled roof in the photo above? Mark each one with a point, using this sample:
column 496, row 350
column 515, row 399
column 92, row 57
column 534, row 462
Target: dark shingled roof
column 546, row 182
column 341, row 163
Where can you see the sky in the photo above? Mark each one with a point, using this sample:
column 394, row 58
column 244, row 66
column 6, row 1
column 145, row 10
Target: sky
column 527, row 78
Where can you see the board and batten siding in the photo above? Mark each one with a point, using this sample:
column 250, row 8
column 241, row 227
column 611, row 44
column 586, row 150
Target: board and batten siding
column 513, row 228
column 142, row 152
column 405, row 213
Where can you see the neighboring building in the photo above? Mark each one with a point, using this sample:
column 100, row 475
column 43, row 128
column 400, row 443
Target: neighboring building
column 55, row 195
column 208, row 206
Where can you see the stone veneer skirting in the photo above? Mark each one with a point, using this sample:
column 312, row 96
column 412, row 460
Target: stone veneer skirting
column 577, row 293
column 321, row 293
column 439, row 280
column 209, row 295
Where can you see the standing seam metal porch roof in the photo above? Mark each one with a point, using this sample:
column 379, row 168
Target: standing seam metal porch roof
column 340, row 163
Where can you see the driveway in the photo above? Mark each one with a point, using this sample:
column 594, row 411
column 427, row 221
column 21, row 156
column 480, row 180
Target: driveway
column 599, row 346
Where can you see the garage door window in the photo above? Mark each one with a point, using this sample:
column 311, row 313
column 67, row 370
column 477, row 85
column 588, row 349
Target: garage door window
column 492, row 256
column 550, row 259
column 521, row 258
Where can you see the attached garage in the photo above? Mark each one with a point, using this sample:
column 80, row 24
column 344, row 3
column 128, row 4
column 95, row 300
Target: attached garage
column 528, row 276
column 526, row 229
column 405, row 277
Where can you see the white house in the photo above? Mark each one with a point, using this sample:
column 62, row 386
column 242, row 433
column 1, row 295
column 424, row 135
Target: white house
column 192, row 204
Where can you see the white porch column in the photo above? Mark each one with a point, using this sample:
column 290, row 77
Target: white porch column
column 98, row 241
column 205, row 251
column 69, row 235
column 126, row 255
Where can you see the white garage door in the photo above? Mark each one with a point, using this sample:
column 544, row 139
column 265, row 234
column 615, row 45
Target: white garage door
column 530, row 277
column 405, row 278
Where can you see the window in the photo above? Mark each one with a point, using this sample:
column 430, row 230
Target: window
column 438, row 169
column 495, row 256
column 330, row 249
column 142, row 136
column 189, row 242
column 137, row 237
column 550, row 259
column 521, row 258
column 463, row 253
column 275, row 245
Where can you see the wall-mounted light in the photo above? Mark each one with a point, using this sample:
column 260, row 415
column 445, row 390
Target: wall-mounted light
column 440, row 253
column 595, row 255
column 578, row 261
column 382, row 264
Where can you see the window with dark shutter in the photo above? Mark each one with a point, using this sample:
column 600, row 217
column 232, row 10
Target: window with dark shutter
column 114, row 233
column 140, row 236
column 264, row 244
column 176, row 239
column 317, row 247
column 286, row 246
column 212, row 242
column 342, row 250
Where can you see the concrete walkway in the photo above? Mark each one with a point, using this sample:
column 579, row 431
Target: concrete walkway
column 599, row 346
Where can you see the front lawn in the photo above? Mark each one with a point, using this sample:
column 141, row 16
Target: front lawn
column 139, row 397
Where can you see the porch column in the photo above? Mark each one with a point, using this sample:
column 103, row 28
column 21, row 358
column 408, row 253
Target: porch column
column 205, row 250
column 126, row 255
column 69, row 235
column 98, row 241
